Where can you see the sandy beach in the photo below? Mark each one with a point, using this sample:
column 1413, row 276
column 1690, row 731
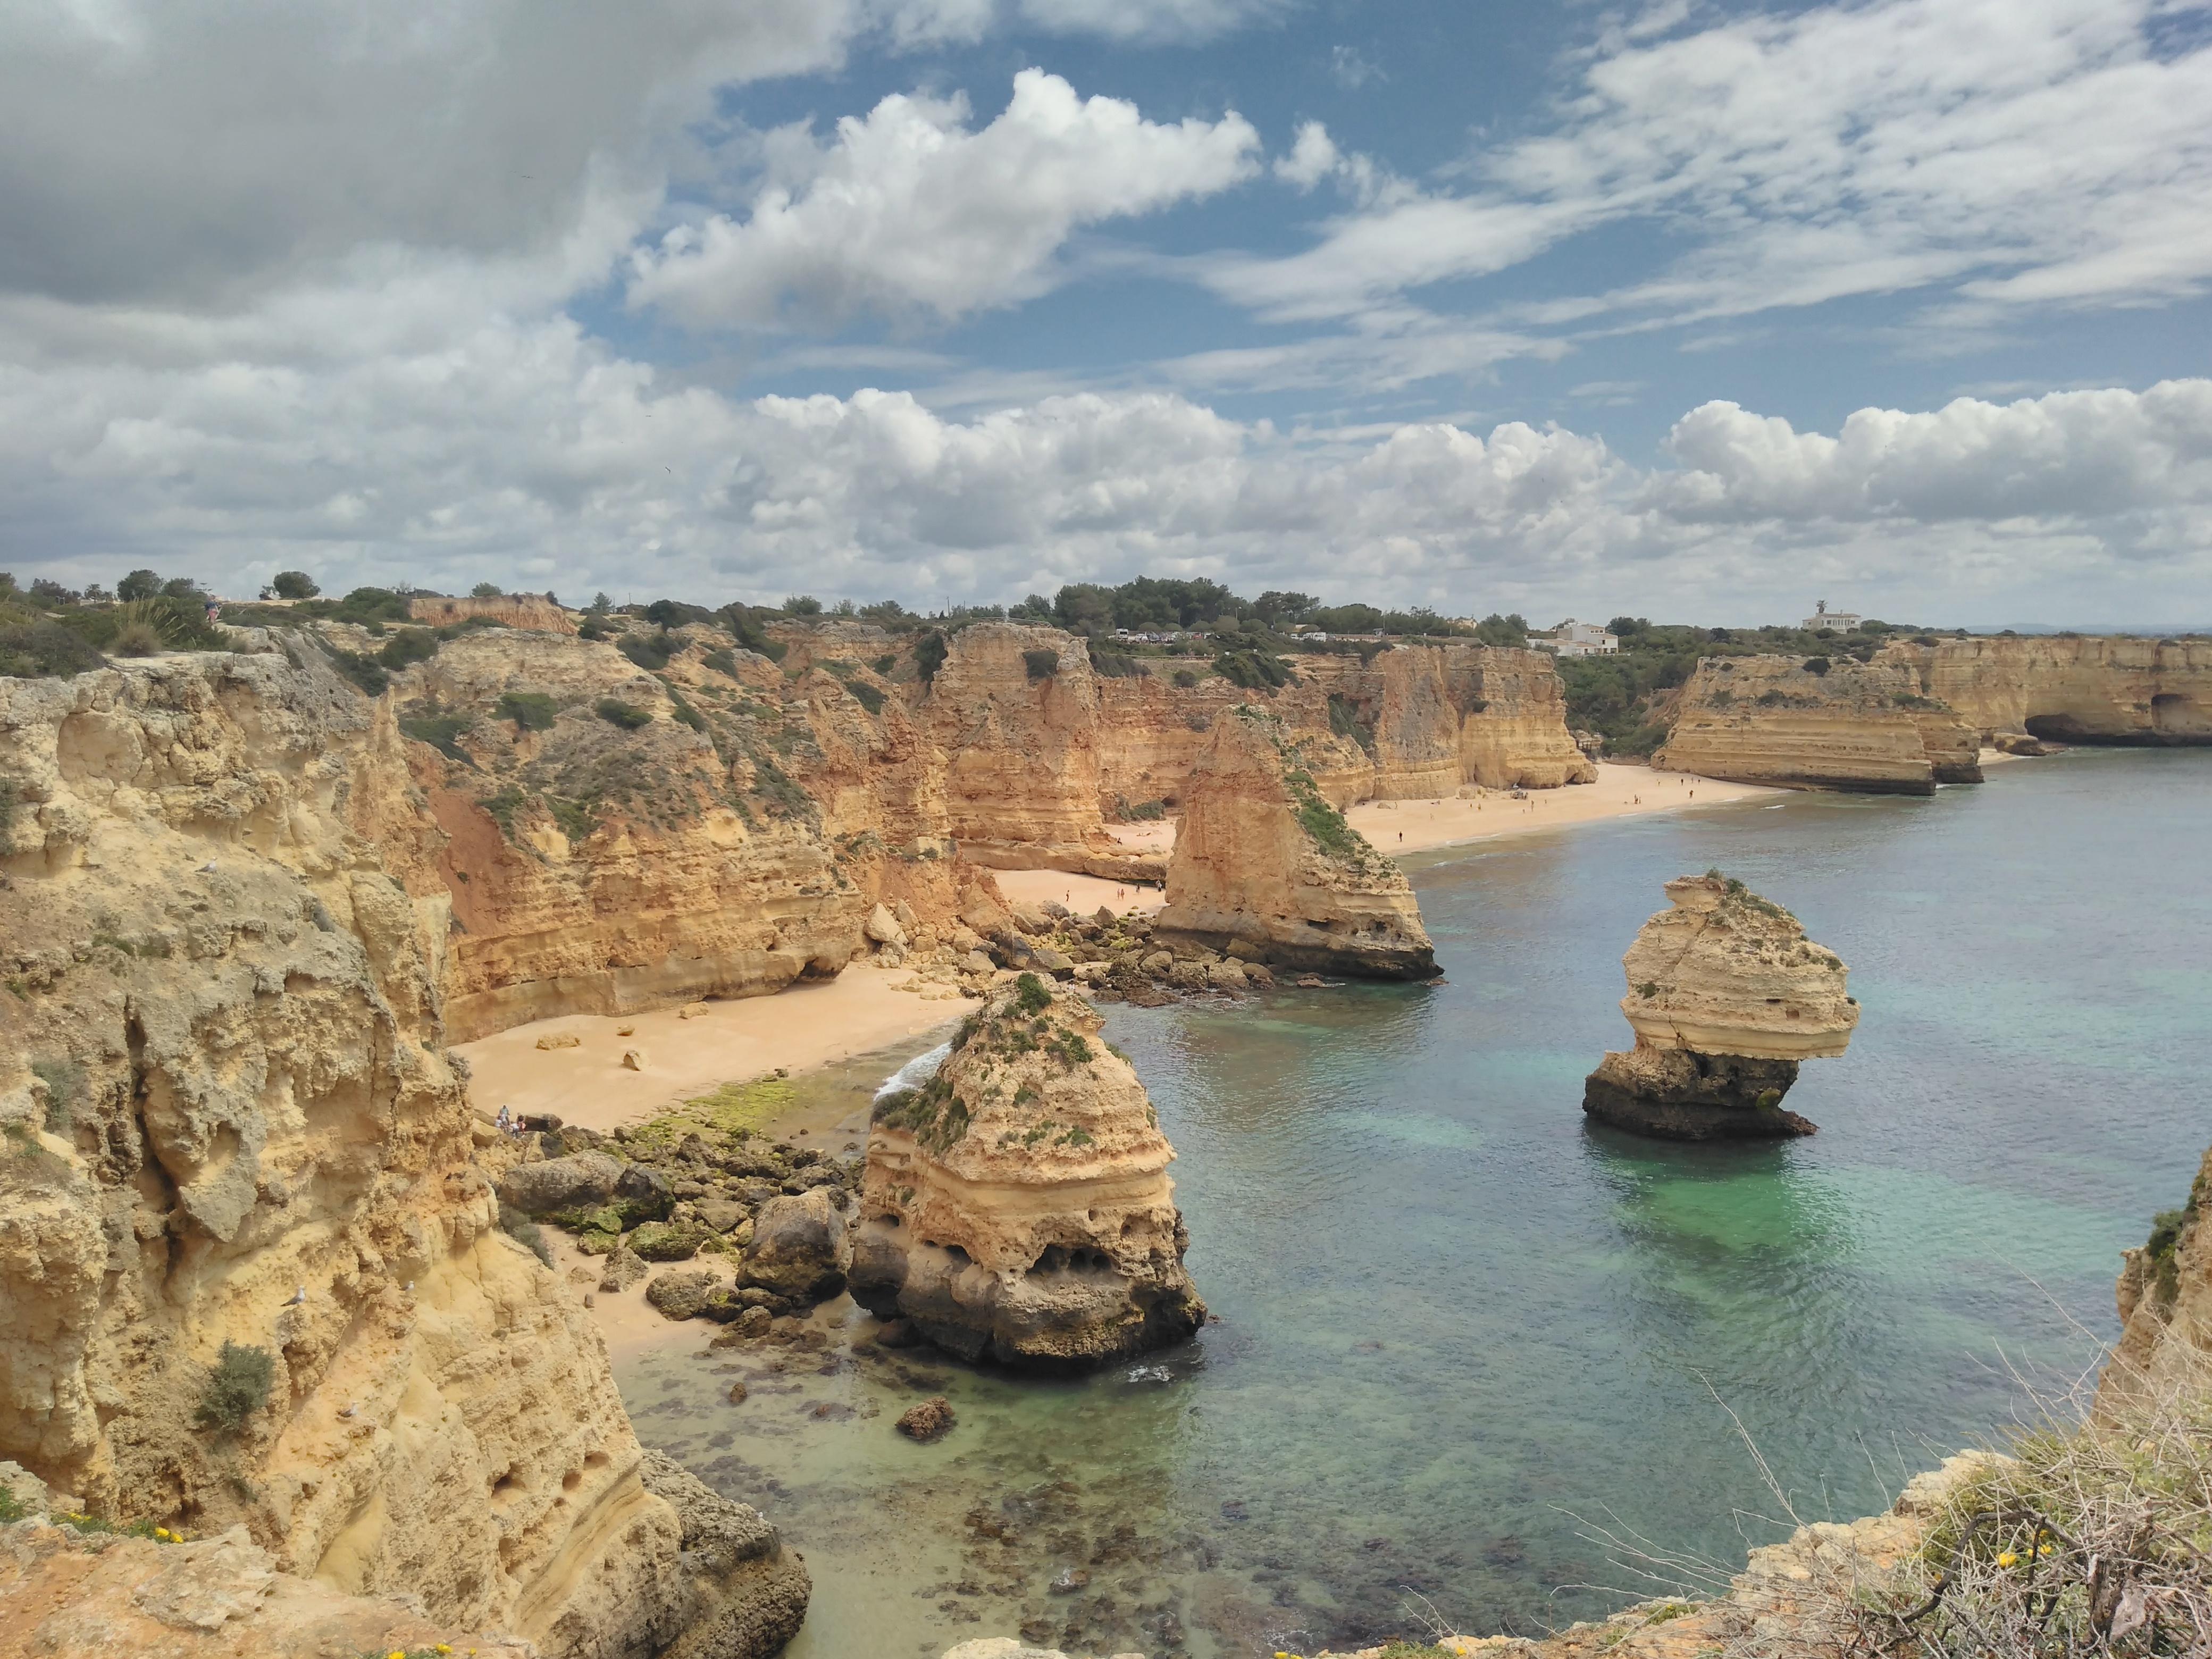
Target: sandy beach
column 1620, row 791
column 808, row 1025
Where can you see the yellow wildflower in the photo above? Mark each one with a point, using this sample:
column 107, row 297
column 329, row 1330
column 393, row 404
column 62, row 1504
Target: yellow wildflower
column 2045, row 1550
column 2007, row 1558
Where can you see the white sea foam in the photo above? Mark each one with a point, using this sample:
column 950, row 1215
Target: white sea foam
column 916, row 1072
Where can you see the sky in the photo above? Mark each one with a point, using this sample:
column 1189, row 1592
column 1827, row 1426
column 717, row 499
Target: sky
column 1696, row 311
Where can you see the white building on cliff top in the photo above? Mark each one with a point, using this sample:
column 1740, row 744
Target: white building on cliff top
column 1842, row 621
column 1576, row 639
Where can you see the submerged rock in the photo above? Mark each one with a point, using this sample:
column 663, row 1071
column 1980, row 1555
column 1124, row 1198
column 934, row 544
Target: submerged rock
column 1726, row 995
column 1018, row 1206
column 926, row 1421
column 1263, row 859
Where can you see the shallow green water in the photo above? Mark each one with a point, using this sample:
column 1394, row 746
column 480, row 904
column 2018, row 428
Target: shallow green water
column 1459, row 1331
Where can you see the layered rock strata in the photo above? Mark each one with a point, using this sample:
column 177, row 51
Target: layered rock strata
column 1818, row 723
column 1262, row 861
column 251, row 1269
column 1015, row 712
column 1726, row 995
column 2068, row 688
column 1017, row 1206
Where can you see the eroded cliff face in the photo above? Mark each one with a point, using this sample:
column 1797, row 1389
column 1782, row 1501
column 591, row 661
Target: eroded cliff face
column 2164, row 1296
column 1014, row 713
column 1263, row 863
column 1726, row 996
column 1018, row 1206
column 229, row 1118
column 1416, row 722
column 1840, row 724
column 2069, row 688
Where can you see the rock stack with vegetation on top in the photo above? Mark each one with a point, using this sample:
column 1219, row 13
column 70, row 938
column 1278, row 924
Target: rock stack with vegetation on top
column 1727, row 995
column 1018, row 1206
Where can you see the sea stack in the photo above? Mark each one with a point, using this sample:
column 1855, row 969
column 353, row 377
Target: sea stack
column 1018, row 1206
column 1727, row 995
column 1264, row 866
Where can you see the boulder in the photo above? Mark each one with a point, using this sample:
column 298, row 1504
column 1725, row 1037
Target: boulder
column 801, row 1246
column 633, row 1059
column 687, row 1292
column 723, row 1215
column 581, row 1180
column 928, row 1421
column 691, row 1011
column 560, row 1039
column 624, row 1269
column 667, row 1241
column 643, row 1193
column 883, row 927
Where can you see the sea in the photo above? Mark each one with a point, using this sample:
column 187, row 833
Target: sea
column 1479, row 1365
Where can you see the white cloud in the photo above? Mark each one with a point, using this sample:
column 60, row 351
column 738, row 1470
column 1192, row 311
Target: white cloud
column 1312, row 158
column 198, row 154
column 2006, row 152
column 441, row 437
column 910, row 213
column 1148, row 20
column 2070, row 457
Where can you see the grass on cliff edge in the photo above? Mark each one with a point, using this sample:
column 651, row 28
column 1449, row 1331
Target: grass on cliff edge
column 2096, row 1537
column 736, row 1110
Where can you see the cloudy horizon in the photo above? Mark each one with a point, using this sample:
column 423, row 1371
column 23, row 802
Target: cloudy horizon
column 1697, row 310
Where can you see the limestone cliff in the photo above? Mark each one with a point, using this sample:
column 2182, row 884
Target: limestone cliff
column 1014, row 712
column 250, row 1271
column 1818, row 723
column 1448, row 715
column 1726, row 995
column 1018, row 1206
column 1261, row 860
column 2068, row 688
column 2164, row 1295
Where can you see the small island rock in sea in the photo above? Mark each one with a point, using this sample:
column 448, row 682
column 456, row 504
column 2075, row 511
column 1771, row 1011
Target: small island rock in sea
column 1727, row 995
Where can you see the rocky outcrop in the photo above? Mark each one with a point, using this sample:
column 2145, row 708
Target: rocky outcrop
column 251, row 1269
column 1818, row 723
column 1444, row 716
column 1726, row 995
column 537, row 612
column 1017, row 1206
column 1262, row 861
column 66, row 1595
column 2068, row 688
column 2164, row 1296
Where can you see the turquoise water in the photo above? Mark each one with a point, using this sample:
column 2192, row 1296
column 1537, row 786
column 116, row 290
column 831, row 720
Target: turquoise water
column 1462, row 1334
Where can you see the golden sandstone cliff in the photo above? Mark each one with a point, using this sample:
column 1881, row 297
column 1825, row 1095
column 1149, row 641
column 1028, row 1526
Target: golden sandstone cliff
column 1726, row 995
column 2068, row 688
column 1818, row 723
column 1018, row 1204
column 1264, row 866
column 236, row 1152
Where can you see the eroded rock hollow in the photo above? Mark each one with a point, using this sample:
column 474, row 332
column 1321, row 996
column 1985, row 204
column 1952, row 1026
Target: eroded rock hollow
column 1726, row 995
column 1018, row 1206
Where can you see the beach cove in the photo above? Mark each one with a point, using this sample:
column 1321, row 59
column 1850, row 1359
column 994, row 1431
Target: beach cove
column 1458, row 1330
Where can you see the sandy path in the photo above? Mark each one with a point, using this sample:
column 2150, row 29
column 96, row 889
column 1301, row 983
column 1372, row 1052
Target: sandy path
column 808, row 1025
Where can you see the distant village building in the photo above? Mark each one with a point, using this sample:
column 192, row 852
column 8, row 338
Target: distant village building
column 1842, row 621
column 1576, row 639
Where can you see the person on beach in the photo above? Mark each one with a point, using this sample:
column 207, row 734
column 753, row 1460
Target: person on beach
column 505, row 1121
